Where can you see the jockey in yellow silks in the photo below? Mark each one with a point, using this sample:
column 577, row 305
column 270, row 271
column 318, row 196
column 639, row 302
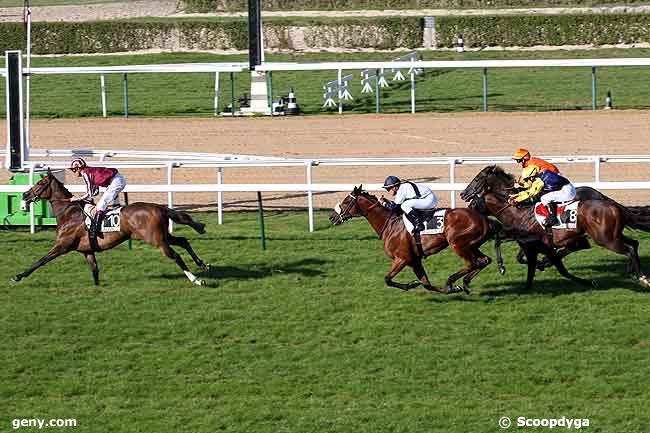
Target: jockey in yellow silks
column 553, row 188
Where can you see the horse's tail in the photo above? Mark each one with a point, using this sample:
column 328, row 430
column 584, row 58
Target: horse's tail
column 636, row 217
column 184, row 218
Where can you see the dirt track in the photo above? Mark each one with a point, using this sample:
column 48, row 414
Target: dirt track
column 466, row 134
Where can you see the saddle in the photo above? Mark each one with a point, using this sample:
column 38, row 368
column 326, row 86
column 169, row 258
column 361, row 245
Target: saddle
column 110, row 222
column 567, row 214
column 433, row 219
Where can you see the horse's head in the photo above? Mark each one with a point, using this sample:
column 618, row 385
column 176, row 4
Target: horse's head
column 354, row 205
column 46, row 189
column 491, row 179
column 41, row 190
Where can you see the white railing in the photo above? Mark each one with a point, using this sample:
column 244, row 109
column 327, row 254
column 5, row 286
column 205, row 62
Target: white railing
column 309, row 187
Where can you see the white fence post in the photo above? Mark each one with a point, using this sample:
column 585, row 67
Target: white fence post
column 597, row 169
column 220, row 196
column 32, row 224
column 216, row 94
column 102, row 80
column 310, row 199
column 452, row 180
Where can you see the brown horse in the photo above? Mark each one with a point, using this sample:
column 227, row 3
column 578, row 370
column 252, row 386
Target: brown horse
column 603, row 220
column 146, row 221
column 465, row 231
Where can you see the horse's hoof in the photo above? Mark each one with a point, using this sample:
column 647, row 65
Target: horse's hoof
column 467, row 290
column 502, row 270
column 200, row 282
column 644, row 281
column 14, row 280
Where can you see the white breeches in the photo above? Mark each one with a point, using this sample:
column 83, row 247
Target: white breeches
column 112, row 192
column 568, row 192
column 428, row 202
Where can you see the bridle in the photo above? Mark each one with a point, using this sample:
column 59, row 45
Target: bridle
column 344, row 216
column 37, row 193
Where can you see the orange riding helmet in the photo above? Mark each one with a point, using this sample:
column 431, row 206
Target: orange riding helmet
column 521, row 154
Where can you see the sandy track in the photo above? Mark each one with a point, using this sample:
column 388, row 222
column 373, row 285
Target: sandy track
column 465, row 134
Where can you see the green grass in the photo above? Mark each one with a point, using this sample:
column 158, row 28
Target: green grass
column 305, row 337
column 437, row 90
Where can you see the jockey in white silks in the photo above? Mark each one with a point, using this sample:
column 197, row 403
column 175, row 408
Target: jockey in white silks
column 409, row 196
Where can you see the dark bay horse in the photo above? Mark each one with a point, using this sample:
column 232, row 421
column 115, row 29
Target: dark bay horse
column 465, row 231
column 601, row 219
column 146, row 221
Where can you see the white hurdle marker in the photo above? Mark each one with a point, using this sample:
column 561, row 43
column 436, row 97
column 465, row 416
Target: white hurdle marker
column 337, row 88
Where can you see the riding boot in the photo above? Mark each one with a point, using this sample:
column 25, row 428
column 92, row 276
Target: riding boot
column 551, row 221
column 95, row 226
column 412, row 216
column 552, row 211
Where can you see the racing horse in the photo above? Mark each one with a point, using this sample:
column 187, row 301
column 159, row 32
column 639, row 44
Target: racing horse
column 602, row 219
column 465, row 230
column 146, row 221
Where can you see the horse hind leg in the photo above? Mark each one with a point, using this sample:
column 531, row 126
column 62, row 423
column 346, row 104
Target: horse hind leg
column 185, row 244
column 94, row 268
column 480, row 263
column 167, row 251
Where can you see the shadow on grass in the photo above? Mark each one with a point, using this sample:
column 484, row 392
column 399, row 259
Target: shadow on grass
column 305, row 267
column 606, row 275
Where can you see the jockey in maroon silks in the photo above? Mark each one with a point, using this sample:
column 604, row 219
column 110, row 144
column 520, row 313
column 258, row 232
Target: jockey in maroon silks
column 94, row 177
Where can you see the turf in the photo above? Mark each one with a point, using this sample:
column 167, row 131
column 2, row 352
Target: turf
column 305, row 337
column 444, row 90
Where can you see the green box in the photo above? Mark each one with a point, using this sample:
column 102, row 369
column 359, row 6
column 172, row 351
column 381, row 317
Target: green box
column 10, row 212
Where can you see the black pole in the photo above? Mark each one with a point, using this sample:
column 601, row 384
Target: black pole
column 261, row 207
column 15, row 114
column 254, row 33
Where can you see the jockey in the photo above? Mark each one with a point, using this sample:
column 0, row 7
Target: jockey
column 553, row 187
column 94, row 177
column 409, row 196
column 522, row 156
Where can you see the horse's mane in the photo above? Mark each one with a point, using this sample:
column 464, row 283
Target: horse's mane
column 59, row 185
column 501, row 173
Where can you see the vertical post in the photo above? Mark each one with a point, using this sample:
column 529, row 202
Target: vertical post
column 126, row 96
column 377, row 96
column 597, row 169
column 26, row 143
column 485, row 90
column 261, row 211
column 216, row 93
column 220, row 196
column 170, row 195
column 32, row 224
column 102, row 80
column 340, row 77
column 126, row 203
column 310, row 198
column 412, row 88
column 452, row 180
column 15, row 115
column 232, row 93
column 593, row 88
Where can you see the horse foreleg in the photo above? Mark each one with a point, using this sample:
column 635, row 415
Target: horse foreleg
column 167, row 251
column 530, row 251
column 56, row 251
column 396, row 268
column 94, row 268
column 184, row 243
column 421, row 273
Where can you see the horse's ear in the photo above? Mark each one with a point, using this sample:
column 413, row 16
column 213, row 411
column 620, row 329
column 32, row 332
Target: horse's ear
column 360, row 187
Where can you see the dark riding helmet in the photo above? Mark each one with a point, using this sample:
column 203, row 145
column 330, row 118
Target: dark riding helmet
column 391, row 181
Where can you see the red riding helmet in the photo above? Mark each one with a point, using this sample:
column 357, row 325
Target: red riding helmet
column 78, row 164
